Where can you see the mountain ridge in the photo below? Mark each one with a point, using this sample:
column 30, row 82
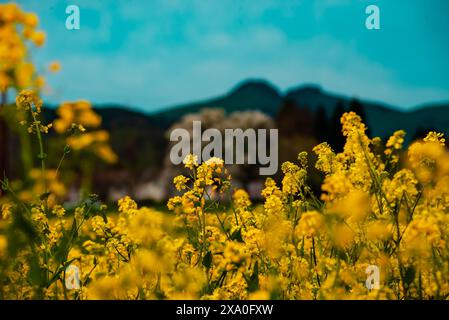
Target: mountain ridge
column 307, row 111
column 259, row 94
column 306, row 87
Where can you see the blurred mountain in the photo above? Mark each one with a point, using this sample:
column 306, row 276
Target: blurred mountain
column 249, row 95
column 307, row 109
column 382, row 119
column 305, row 116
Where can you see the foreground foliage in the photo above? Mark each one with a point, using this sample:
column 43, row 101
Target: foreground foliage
column 379, row 206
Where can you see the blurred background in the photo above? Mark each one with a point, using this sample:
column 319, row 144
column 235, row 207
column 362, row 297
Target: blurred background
column 147, row 67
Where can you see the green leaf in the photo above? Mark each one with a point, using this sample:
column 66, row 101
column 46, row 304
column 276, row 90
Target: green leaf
column 253, row 282
column 409, row 275
column 237, row 235
column 4, row 183
column 207, row 260
column 44, row 196
column 23, row 224
column 37, row 274
column 63, row 249
column 59, row 271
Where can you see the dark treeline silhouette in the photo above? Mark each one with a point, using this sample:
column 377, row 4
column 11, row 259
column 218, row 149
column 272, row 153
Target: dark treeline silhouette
column 296, row 120
column 305, row 117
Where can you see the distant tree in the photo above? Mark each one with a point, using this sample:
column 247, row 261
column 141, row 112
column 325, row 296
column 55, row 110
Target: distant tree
column 336, row 139
column 294, row 120
column 321, row 125
column 305, row 122
column 287, row 118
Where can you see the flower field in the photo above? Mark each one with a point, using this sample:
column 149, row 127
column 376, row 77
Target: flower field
column 380, row 205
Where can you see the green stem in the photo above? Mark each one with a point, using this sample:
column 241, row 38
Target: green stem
column 26, row 152
column 41, row 149
column 60, row 162
column 314, row 262
column 86, row 183
column 398, row 258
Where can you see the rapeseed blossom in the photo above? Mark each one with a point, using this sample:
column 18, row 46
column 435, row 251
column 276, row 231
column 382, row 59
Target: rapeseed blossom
column 378, row 205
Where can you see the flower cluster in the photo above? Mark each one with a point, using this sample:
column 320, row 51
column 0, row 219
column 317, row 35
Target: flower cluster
column 29, row 101
column 17, row 28
column 379, row 205
column 79, row 117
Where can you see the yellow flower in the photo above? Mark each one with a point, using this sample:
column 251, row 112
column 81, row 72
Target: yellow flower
column 190, row 161
column 55, row 66
column 30, row 20
column 291, row 246
column 214, row 162
column 6, row 210
column 293, row 179
column 273, row 205
column 24, row 74
column 310, row 224
column 27, row 99
column 3, row 246
column 174, row 202
column 354, row 207
column 403, row 183
column 270, row 188
column 98, row 225
column 38, row 38
column 396, row 140
column 352, row 123
column 326, row 158
column 58, row 211
column 303, row 159
column 105, row 153
column 180, row 182
column 127, row 204
column 241, row 199
column 433, row 136
column 342, row 235
column 378, row 230
column 5, row 81
column 39, row 218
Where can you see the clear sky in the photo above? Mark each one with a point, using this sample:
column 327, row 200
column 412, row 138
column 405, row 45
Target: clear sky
column 151, row 54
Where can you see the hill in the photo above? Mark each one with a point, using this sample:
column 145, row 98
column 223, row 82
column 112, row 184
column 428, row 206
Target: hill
column 382, row 119
column 249, row 95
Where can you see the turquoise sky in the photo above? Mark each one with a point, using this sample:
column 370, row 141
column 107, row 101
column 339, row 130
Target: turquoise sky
column 151, row 54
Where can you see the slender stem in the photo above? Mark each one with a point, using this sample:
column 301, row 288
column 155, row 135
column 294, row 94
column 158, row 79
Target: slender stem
column 3, row 134
column 223, row 226
column 232, row 207
column 398, row 258
column 26, row 152
column 41, row 149
column 60, row 163
column 314, row 261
